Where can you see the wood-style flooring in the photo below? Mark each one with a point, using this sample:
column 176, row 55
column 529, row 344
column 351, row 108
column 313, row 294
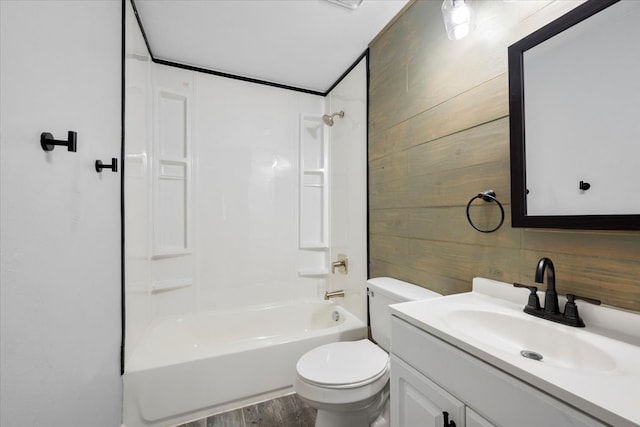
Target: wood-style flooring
column 285, row 411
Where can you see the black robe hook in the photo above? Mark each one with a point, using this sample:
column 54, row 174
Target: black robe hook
column 113, row 166
column 48, row 143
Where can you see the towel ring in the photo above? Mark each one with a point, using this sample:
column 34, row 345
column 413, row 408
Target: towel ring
column 487, row 196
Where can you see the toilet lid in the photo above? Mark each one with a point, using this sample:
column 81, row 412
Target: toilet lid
column 343, row 363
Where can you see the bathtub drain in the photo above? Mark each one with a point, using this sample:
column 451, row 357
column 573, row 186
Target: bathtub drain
column 335, row 316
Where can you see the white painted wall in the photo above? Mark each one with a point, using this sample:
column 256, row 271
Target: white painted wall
column 348, row 188
column 60, row 220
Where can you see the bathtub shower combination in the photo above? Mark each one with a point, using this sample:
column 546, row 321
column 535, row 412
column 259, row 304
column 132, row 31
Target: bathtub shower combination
column 188, row 366
column 228, row 189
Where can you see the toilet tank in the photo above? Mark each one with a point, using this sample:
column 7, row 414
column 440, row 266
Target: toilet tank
column 384, row 291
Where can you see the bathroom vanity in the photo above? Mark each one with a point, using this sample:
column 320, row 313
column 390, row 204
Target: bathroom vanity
column 456, row 361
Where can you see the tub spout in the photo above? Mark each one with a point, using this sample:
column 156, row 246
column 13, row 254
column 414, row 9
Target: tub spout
column 333, row 294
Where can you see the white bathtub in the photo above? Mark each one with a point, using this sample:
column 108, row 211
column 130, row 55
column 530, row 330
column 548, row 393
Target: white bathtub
column 191, row 366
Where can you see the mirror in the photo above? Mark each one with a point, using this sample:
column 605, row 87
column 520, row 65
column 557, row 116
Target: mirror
column 574, row 101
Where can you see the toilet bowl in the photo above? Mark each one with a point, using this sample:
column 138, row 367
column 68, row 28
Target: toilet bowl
column 348, row 381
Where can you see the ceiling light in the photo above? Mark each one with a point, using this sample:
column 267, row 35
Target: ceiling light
column 459, row 18
column 351, row 4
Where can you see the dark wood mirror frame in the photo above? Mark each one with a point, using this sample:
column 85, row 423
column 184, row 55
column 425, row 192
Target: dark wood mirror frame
column 519, row 217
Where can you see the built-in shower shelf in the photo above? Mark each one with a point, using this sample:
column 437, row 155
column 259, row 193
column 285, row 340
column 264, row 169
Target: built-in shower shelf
column 314, row 245
column 169, row 285
column 171, row 254
column 314, row 179
column 320, row 272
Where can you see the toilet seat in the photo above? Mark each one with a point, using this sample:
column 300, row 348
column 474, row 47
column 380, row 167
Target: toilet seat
column 343, row 365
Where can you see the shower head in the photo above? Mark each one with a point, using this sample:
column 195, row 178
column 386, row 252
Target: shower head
column 328, row 119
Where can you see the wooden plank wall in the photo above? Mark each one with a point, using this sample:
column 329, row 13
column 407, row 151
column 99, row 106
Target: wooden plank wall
column 438, row 135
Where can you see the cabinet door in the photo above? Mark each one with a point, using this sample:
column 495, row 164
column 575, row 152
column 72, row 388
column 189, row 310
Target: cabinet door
column 476, row 420
column 418, row 402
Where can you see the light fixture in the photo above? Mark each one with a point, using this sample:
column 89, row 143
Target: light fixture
column 459, row 18
column 351, row 4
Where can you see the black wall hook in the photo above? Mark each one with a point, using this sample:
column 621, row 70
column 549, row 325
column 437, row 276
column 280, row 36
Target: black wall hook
column 113, row 166
column 584, row 186
column 48, row 143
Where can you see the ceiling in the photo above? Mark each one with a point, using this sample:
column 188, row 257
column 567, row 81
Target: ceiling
column 307, row 44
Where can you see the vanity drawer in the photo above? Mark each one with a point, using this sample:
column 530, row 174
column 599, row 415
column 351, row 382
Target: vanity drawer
column 499, row 397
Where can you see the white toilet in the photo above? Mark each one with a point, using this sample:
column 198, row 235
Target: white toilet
column 348, row 381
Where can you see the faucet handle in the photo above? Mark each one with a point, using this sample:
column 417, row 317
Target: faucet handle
column 342, row 264
column 534, row 301
column 571, row 315
column 573, row 297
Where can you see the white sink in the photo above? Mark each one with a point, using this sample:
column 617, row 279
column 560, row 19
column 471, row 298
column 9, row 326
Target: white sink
column 596, row 368
column 532, row 338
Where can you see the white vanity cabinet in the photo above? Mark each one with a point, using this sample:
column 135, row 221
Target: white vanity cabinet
column 418, row 401
column 429, row 376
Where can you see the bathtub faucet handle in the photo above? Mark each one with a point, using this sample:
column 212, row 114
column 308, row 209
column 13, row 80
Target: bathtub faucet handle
column 333, row 294
column 342, row 264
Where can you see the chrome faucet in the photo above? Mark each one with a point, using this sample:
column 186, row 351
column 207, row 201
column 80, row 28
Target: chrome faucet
column 550, row 295
column 551, row 311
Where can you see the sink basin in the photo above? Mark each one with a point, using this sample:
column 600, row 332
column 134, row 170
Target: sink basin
column 532, row 338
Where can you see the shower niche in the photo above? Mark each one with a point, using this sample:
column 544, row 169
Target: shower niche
column 313, row 215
